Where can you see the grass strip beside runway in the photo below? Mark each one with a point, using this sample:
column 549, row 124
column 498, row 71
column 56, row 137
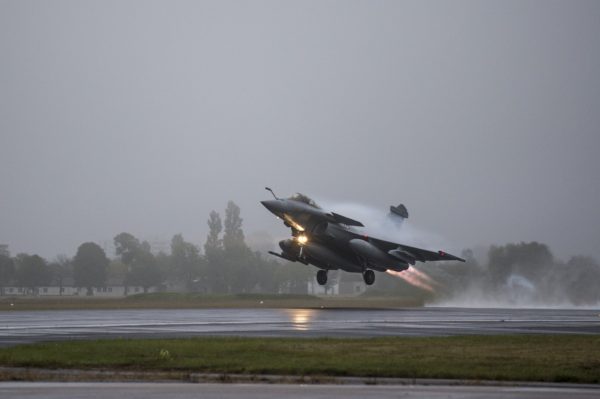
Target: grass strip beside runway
column 546, row 358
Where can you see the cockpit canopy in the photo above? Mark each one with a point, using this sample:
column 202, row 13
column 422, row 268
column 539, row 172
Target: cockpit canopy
column 303, row 198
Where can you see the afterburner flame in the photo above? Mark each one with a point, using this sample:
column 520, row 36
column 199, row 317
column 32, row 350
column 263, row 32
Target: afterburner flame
column 424, row 276
column 415, row 278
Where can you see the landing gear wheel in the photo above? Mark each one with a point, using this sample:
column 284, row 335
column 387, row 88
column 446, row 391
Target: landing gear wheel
column 322, row 277
column 369, row 277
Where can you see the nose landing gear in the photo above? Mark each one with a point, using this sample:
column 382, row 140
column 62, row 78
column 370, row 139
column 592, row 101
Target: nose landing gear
column 369, row 277
column 322, row 277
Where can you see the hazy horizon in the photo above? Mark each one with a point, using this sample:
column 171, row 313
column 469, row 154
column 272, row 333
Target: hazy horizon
column 143, row 116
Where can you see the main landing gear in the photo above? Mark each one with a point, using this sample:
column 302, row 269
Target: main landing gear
column 322, row 277
column 369, row 277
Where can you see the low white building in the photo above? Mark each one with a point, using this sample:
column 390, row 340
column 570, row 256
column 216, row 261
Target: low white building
column 330, row 289
column 106, row 291
column 346, row 284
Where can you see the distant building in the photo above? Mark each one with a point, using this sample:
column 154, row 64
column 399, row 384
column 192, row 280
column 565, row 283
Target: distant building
column 329, row 289
column 113, row 288
column 345, row 284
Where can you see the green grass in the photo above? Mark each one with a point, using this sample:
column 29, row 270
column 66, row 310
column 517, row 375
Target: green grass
column 198, row 301
column 520, row 358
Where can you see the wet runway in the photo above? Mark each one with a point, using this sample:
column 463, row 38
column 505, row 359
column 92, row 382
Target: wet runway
column 27, row 390
column 18, row 327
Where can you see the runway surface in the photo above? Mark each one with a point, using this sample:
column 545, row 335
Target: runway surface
column 24, row 390
column 34, row 326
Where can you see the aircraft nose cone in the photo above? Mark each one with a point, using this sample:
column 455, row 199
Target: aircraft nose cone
column 273, row 205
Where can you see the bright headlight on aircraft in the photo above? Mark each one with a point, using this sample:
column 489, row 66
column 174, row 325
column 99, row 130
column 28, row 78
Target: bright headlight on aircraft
column 302, row 239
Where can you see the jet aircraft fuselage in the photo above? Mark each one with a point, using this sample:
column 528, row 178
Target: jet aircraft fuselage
column 329, row 241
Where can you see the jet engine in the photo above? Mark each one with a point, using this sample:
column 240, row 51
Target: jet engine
column 290, row 249
column 375, row 257
column 324, row 256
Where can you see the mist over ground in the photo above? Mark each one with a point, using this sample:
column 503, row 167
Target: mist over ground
column 511, row 275
column 523, row 275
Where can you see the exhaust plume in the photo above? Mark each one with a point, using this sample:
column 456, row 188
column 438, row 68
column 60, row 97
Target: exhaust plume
column 415, row 278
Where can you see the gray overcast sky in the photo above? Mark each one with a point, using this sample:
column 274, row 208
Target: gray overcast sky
column 142, row 116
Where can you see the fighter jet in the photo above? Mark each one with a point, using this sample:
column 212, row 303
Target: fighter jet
column 330, row 241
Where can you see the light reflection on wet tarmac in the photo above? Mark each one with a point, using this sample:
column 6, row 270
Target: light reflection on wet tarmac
column 33, row 326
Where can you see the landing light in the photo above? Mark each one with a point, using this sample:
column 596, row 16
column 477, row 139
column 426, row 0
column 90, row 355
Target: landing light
column 302, row 239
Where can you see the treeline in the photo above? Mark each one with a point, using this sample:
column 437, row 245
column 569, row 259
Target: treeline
column 226, row 265
column 522, row 274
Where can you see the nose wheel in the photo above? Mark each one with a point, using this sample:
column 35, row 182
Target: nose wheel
column 322, row 277
column 369, row 277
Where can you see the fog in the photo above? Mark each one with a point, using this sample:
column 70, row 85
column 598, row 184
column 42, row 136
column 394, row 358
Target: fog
column 557, row 288
column 143, row 116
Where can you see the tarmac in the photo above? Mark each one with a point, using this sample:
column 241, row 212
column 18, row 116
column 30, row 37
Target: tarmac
column 19, row 327
column 27, row 390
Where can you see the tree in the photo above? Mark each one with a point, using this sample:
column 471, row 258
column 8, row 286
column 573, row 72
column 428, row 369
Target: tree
column 239, row 261
column 145, row 246
column 7, row 270
column 61, row 268
column 144, row 271
column 127, row 247
column 163, row 262
column 583, row 280
column 233, row 239
column 291, row 278
column 213, row 241
column 267, row 271
column 32, row 271
column 90, row 266
column 185, row 259
column 213, row 252
column 117, row 270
